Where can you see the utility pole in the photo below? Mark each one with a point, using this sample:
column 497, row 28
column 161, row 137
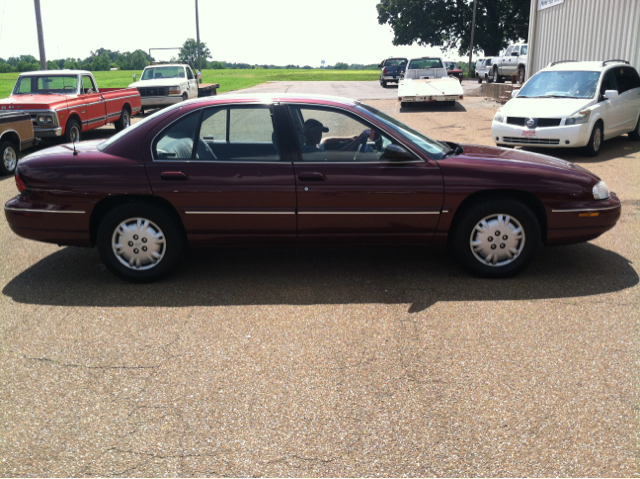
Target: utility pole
column 198, row 40
column 473, row 29
column 43, row 58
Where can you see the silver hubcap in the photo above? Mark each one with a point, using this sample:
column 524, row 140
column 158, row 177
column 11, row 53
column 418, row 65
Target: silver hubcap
column 597, row 139
column 138, row 243
column 9, row 158
column 497, row 240
column 126, row 121
column 75, row 133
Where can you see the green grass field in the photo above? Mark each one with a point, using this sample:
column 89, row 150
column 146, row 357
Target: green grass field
column 229, row 80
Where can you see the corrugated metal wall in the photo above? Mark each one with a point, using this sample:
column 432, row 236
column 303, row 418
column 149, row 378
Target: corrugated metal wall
column 586, row 30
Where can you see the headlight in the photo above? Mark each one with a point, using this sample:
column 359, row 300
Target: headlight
column 499, row 117
column 45, row 120
column 579, row 118
column 600, row 191
column 174, row 90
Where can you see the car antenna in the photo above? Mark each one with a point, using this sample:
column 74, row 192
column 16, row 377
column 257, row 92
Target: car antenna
column 73, row 141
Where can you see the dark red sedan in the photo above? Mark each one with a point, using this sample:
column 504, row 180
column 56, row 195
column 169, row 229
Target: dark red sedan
column 246, row 170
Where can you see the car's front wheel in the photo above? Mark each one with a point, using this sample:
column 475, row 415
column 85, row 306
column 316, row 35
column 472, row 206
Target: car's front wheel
column 496, row 238
column 140, row 242
column 595, row 141
column 8, row 158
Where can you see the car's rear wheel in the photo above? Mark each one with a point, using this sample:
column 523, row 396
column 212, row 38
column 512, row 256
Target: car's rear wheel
column 496, row 76
column 635, row 134
column 383, row 83
column 595, row 141
column 496, row 238
column 521, row 75
column 140, row 242
column 124, row 121
column 8, row 158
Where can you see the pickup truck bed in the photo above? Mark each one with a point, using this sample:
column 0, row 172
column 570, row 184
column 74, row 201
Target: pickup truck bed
column 426, row 90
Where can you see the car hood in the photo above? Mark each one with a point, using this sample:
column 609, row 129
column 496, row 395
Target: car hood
column 35, row 102
column 158, row 82
column 544, row 107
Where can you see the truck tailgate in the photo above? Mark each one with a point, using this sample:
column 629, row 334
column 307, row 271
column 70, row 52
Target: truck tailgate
column 437, row 89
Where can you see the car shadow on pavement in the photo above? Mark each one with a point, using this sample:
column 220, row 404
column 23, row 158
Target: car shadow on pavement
column 414, row 276
column 618, row 147
column 433, row 106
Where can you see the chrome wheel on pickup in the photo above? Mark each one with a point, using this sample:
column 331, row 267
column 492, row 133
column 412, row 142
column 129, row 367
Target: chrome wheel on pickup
column 9, row 154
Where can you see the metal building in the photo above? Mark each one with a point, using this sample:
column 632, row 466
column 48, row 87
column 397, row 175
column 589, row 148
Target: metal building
column 583, row 30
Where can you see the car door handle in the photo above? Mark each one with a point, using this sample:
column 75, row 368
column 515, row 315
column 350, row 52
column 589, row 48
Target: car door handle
column 173, row 176
column 311, row 176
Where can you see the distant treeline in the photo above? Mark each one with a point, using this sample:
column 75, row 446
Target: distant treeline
column 104, row 60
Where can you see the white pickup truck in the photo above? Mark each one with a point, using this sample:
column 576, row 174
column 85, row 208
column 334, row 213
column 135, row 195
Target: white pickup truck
column 426, row 79
column 513, row 61
column 166, row 84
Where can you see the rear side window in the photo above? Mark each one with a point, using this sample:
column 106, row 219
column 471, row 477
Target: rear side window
column 524, row 50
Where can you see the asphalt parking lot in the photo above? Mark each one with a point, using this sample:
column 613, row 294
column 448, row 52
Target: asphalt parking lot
column 326, row 361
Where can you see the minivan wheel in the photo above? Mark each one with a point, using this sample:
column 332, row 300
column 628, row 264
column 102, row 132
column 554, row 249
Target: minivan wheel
column 496, row 238
column 140, row 242
column 595, row 141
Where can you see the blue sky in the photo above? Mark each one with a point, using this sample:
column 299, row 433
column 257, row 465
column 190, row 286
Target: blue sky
column 279, row 32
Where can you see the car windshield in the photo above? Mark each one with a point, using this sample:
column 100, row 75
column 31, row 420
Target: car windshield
column 433, row 148
column 162, row 72
column 450, row 65
column 561, row 84
column 46, row 84
column 425, row 63
column 395, row 62
column 115, row 138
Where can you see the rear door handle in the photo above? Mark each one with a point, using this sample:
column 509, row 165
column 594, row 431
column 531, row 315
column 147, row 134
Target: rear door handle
column 311, row 176
column 173, row 176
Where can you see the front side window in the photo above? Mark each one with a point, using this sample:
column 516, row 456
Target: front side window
column 516, row 50
column 189, row 74
column 608, row 82
column 327, row 135
column 561, row 84
column 87, row 84
column 177, row 141
column 509, row 50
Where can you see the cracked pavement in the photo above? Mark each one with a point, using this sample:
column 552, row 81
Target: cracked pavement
column 328, row 361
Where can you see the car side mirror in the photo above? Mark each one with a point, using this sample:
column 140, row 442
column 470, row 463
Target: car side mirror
column 397, row 153
column 611, row 94
column 514, row 93
column 514, row 54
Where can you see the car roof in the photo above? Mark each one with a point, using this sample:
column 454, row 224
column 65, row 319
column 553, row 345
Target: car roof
column 56, row 72
column 275, row 97
column 166, row 65
column 570, row 65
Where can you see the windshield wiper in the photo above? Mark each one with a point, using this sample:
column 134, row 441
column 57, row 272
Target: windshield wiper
column 557, row 96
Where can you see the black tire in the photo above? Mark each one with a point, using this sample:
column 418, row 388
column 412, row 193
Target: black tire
column 497, row 77
column 595, row 141
column 124, row 121
column 479, row 79
column 170, row 245
column 635, row 134
column 72, row 132
column 142, row 110
column 496, row 238
column 185, row 97
column 521, row 75
column 8, row 158
column 383, row 84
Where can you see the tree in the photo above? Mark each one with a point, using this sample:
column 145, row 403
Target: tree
column 101, row 63
column 189, row 53
column 341, row 66
column 447, row 23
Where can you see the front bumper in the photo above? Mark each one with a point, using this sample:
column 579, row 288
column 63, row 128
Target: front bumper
column 160, row 100
column 554, row 137
column 47, row 132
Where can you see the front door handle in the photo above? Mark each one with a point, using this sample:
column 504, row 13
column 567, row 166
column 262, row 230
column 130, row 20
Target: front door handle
column 173, row 176
column 311, row 176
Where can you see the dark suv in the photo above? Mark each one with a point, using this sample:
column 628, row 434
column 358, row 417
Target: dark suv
column 392, row 70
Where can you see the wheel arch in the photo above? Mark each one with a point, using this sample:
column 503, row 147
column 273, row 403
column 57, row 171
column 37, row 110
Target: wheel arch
column 12, row 136
column 73, row 116
column 106, row 204
column 525, row 197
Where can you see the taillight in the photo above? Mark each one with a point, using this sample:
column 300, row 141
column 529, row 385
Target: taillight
column 21, row 184
column 384, row 71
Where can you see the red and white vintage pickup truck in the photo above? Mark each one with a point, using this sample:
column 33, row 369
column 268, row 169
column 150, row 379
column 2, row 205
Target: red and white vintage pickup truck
column 68, row 102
